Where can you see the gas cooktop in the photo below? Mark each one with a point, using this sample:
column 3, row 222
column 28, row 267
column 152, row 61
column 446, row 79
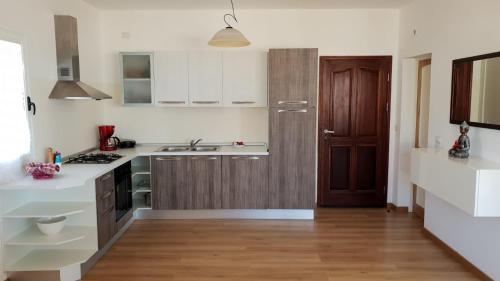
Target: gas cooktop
column 94, row 158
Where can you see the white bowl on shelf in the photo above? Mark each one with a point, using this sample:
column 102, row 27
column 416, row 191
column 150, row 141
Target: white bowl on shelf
column 51, row 226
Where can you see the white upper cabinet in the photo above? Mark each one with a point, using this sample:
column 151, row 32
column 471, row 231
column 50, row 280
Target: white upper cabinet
column 205, row 79
column 245, row 79
column 172, row 83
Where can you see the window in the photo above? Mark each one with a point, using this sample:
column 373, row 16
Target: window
column 15, row 140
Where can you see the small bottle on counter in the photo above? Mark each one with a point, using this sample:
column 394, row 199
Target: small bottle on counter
column 58, row 159
column 49, row 156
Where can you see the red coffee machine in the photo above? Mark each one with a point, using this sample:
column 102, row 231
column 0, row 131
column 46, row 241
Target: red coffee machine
column 106, row 140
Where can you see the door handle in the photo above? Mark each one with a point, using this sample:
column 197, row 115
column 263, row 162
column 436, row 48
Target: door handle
column 328, row 132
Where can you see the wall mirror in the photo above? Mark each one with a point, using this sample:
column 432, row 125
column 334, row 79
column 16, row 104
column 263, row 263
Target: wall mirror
column 475, row 96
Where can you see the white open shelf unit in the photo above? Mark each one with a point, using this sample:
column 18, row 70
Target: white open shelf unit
column 49, row 260
column 47, row 209
column 141, row 183
column 26, row 248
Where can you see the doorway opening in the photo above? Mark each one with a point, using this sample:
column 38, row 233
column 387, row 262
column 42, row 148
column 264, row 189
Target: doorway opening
column 422, row 126
column 354, row 106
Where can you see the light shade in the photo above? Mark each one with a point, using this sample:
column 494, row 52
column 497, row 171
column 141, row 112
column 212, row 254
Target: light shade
column 229, row 38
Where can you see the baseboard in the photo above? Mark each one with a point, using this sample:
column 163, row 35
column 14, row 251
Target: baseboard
column 91, row 262
column 455, row 255
column 249, row 214
column 419, row 211
column 394, row 208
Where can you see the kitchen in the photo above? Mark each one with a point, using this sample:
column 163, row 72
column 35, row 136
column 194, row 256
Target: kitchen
column 195, row 133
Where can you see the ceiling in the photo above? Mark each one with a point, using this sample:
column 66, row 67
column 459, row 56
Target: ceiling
column 248, row 4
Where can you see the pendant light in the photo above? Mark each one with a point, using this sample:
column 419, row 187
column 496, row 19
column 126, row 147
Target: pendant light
column 229, row 37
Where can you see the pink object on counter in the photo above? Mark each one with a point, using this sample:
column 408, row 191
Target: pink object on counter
column 41, row 171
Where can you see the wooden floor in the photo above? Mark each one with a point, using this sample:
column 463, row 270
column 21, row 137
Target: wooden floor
column 341, row 244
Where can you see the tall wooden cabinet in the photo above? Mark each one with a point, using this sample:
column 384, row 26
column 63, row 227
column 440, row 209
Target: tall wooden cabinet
column 293, row 79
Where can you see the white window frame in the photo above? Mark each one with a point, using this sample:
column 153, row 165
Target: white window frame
column 20, row 39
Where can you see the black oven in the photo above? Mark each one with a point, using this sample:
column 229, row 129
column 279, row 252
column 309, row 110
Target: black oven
column 123, row 190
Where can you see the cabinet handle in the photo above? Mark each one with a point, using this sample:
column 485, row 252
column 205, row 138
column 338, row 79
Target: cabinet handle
column 107, row 195
column 204, row 158
column 293, row 110
column 243, row 102
column 292, row 102
column 109, row 209
column 106, row 177
column 171, row 102
column 205, row 102
column 169, row 159
column 245, row 158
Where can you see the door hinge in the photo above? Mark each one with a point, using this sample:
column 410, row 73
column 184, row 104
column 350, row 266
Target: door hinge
column 388, row 77
column 387, row 106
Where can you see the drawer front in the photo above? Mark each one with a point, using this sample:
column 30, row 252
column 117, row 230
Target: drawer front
column 105, row 193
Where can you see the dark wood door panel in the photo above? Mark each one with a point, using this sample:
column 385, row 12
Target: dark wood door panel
column 341, row 96
column 170, row 188
column 291, row 160
column 245, row 182
column 340, row 169
column 292, row 75
column 204, row 182
column 367, row 101
column 353, row 166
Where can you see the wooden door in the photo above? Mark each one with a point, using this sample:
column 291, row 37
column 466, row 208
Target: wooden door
column 291, row 162
column 169, row 177
column 354, row 131
column 205, row 79
column 245, row 182
column 171, row 79
column 245, row 79
column 293, row 77
column 204, row 182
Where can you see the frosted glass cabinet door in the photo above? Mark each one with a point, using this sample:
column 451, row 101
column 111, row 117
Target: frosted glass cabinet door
column 171, row 83
column 245, row 79
column 205, row 79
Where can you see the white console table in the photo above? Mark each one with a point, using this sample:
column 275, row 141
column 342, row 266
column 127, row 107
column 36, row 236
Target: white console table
column 472, row 185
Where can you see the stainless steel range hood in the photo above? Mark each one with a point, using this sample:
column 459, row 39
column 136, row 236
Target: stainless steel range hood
column 69, row 85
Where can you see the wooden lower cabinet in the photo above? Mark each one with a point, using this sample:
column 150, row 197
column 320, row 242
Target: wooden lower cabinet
column 292, row 148
column 204, row 182
column 245, row 182
column 106, row 213
column 169, row 177
column 186, row 182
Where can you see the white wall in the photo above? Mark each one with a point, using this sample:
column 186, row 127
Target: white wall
column 68, row 126
column 334, row 32
column 451, row 29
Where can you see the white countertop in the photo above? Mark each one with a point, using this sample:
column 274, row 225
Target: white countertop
column 74, row 175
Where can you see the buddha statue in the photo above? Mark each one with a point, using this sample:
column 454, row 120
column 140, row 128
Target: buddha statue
column 461, row 147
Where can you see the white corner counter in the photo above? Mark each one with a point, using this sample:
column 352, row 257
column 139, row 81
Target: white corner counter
column 472, row 185
column 75, row 175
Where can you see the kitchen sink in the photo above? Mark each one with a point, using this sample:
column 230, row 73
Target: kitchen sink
column 205, row 148
column 188, row 148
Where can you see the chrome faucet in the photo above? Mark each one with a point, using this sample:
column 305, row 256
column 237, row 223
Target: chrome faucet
column 193, row 142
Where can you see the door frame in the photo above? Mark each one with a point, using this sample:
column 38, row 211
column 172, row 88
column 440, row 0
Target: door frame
column 417, row 209
column 323, row 60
